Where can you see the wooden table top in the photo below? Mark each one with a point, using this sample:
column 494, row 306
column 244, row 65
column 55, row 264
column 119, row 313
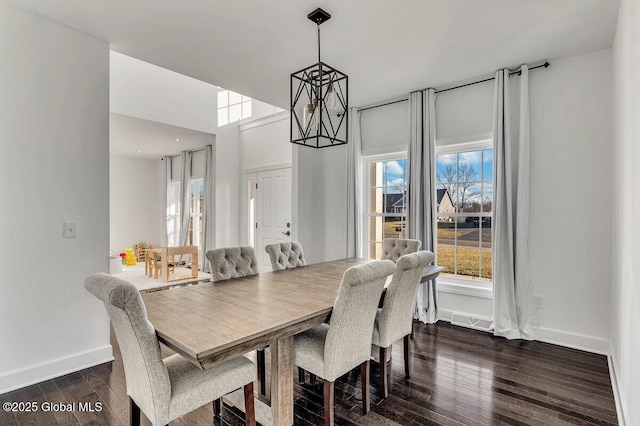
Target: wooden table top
column 211, row 321
column 216, row 320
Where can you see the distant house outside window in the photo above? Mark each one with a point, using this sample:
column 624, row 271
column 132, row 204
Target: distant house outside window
column 232, row 107
column 464, row 200
column 386, row 191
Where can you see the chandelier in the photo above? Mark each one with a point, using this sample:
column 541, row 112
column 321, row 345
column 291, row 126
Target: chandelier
column 319, row 95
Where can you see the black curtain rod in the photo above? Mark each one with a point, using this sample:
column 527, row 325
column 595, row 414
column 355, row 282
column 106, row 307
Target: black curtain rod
column 381, row 105
column 545, row 65
column 178, row 155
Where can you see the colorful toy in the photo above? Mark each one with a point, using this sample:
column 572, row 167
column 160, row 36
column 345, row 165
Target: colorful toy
column 130, row 257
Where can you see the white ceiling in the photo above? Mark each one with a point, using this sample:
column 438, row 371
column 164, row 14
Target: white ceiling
column 387, row 48
column 129, row 135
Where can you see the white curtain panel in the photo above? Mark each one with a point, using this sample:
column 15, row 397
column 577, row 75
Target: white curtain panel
column 355, row 199
column 514, row 313
column 165, row 200
column 185, row 214
column 208, row 210
column 421, row 217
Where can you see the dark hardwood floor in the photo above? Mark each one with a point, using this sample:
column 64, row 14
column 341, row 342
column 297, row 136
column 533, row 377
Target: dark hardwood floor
column 459, row 377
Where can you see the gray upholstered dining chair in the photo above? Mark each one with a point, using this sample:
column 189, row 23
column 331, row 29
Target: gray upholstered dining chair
column 394, row 320
column 232, row 262
column 393, row 248
column 288, row 255
column 332, row 350
column 236, row 262
column 285, row 255
column 164, row 389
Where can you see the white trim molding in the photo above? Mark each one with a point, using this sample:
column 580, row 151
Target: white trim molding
column 266, row 167
column 40, row 372
column 470, row 141
column 464, row 289
column 557, row 337
column 578, row 341
column 263, row 121
column 618, row 395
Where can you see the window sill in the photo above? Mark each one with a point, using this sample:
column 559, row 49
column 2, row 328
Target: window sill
column 448, row 285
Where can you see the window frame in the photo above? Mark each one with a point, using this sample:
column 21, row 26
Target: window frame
column 172, row 222
column 245, row 103
column 366, row 162
column 195, row 231
column 454, row 145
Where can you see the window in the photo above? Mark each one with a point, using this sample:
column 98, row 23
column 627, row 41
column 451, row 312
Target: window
column 196, row 201
column 232, row 107
column 386, row 180
column 464, row 203
column 173, row 213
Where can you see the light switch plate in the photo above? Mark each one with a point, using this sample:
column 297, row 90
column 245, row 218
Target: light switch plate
column 70, row 230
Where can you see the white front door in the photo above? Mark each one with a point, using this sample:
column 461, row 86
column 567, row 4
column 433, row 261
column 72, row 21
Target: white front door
column 273, row 214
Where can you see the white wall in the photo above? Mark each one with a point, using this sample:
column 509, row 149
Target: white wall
column 265, row 142
column 228, row 192
column 320, row 195
column 144, row 90
column 261, row 109
column 135, row 195
column 625, row 312
column 54, row 116
column 570, row 227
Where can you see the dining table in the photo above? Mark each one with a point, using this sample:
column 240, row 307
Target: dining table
column 215, row 321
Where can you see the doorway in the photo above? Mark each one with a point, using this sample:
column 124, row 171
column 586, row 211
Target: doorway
column 269, row 211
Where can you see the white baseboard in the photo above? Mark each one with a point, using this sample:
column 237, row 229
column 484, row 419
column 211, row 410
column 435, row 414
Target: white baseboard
column 618, row 396
column 574, row 340
column 40, row 372
column 557, row 337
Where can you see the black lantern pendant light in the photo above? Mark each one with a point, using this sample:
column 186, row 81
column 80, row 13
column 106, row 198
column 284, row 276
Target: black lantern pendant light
column 319, row 101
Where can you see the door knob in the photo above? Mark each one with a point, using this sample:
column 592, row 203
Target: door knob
column 288, row 233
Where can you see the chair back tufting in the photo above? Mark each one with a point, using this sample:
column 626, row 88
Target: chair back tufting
column 146, row 375
column 232, row 262
column 285, row 255
column 393, row 248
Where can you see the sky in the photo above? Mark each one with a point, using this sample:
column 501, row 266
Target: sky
column 395, row 175
column 481, row 161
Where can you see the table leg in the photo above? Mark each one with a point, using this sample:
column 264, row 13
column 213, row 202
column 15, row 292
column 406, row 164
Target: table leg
column 165, row 266
column 282, row 381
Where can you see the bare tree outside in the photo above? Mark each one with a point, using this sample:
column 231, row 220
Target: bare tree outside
column 459, row 183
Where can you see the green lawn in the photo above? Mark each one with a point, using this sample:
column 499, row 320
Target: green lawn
column 468, row 261
column 468, row 258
